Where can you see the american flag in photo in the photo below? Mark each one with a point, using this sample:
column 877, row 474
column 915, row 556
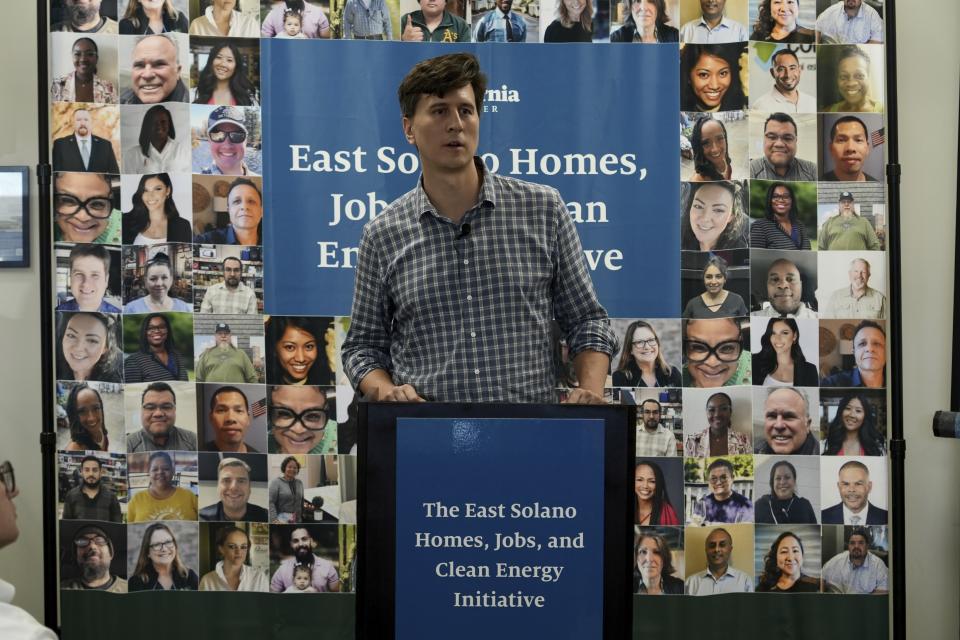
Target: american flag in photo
column 878, row 137
column 259, row 408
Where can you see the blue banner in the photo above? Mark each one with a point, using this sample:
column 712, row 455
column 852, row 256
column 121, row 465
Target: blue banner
column 586, row 120
column 490, row 537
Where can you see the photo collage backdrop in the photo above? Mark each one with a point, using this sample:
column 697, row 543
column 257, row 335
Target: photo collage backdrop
column 206, row 445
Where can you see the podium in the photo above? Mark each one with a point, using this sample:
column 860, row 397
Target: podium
column 492, row 520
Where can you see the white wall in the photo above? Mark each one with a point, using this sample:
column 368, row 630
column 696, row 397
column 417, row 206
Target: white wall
column 928, row 99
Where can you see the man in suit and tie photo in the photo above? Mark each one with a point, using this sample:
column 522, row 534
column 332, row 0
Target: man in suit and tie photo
column 855, row 507
column 83, row 151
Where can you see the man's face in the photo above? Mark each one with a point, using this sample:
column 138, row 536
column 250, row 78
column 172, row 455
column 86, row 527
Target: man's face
column 222, row 338
column 784, row 287
column 94, row 558
column 720, row 335
column 721, row 482
column 719, row 413
column 870, row 350
column 230, row 420
column 857, row 546
column 81, row 226
column 846, row 206
column 433, row 8
column 719, row 546
column 302, row 544
column 852, row 5
column 854, row 485
column 81, row 122
column 233, row 485
column 859, row 275
column 245, row 206
column 88, row 282
column 504, row 5
column 161, row 129
column 445, row 130
column 785, row 422
column 82, row 11
column 712, row 9
column 158, row 412
column 849, row 150
column 779, row 143
column 231, row 273
column 786, row 73
column 227, row 154
column 650, row 411
column 154, row 69
column 90, row 472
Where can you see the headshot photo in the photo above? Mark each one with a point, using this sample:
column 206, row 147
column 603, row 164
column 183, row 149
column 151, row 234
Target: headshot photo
column 163, row 486
column 85, row 208
column 444, row 21
column 86, row 137
column 571, row 21
column 783, row 283
column 234, row 418
column 86, row 412
column 92, row 485
column 784, row 21
column 851, row 147
column 153, row 69
column 855, row 560
column 233, row 487
column 156, row 208
column 787, row 558
column 717, row 146
column 851, row 217
column 659, row 421
column 84, row 68
column 783, row 421
column 649, row 353
column 715, row 284
column 853, row 490
column 225, row 71
column 719, row 489
column 143, row 17
column 783, row 147
column 88, row 347
column 716, row 352
column 785, row 352
column 291, row 18
column 228, row 210
column 157, row 346
column 158, row 277
column 160, row 416
column 853, row 354
column 229, row 558
column 371, row 21
column 228, row 280
column 228, row 349
column 233, row 18
column 788, row 488
column 156, row 138
column 713, row 21
column 726, row 563
column 500, row 22
column 713, row 216
column 658, row 489
column 163, row 556
column 644, row 21
column 850, row 78
column 92, row 277
column 229, row 140
column 93, row 555
column 710, row 77
column 658, row 561
column 304, row 558
column 717, row 423
column 853, row 422
column 285, row 491
column 85, row 17
column 784, row 215
column 300, row 350
column 850, row 21
column 852, row 284
column 302, row 419
column 782, row 79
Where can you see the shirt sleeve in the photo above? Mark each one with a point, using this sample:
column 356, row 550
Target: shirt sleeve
column 273, row 499
column 478, row 34
column 252, row 303
column 367, row 345
column 583, row 321
column 347, row 21
column 206, row 306
column 269, row 29
column 249, row 373
column 876, row 33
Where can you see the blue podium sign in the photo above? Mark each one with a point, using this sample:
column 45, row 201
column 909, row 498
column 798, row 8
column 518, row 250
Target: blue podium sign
column 499, row 526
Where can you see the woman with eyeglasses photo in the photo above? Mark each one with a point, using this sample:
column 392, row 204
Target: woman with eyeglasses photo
column 713, row 353
column 301, row 419
column 286, row 493
column 83, row 208
column 234, row 572
column 780, row 228
column 162, row 499
column 88, row 430
column 159, row 566
column 157, row 357
column 641, row 361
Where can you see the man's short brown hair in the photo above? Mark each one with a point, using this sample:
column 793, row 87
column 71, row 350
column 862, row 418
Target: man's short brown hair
column 437, row 76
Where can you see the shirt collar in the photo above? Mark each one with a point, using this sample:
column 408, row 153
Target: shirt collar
column 724, row 22
column 863, row 514
column 487, row 194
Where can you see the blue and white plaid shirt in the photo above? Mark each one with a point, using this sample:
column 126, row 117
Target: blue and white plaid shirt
column 465, row 317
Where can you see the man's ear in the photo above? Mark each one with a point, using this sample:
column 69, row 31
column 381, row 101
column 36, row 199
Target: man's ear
column 408, row 130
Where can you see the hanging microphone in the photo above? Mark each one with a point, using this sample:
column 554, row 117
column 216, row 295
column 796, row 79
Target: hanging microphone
column 464, row 230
